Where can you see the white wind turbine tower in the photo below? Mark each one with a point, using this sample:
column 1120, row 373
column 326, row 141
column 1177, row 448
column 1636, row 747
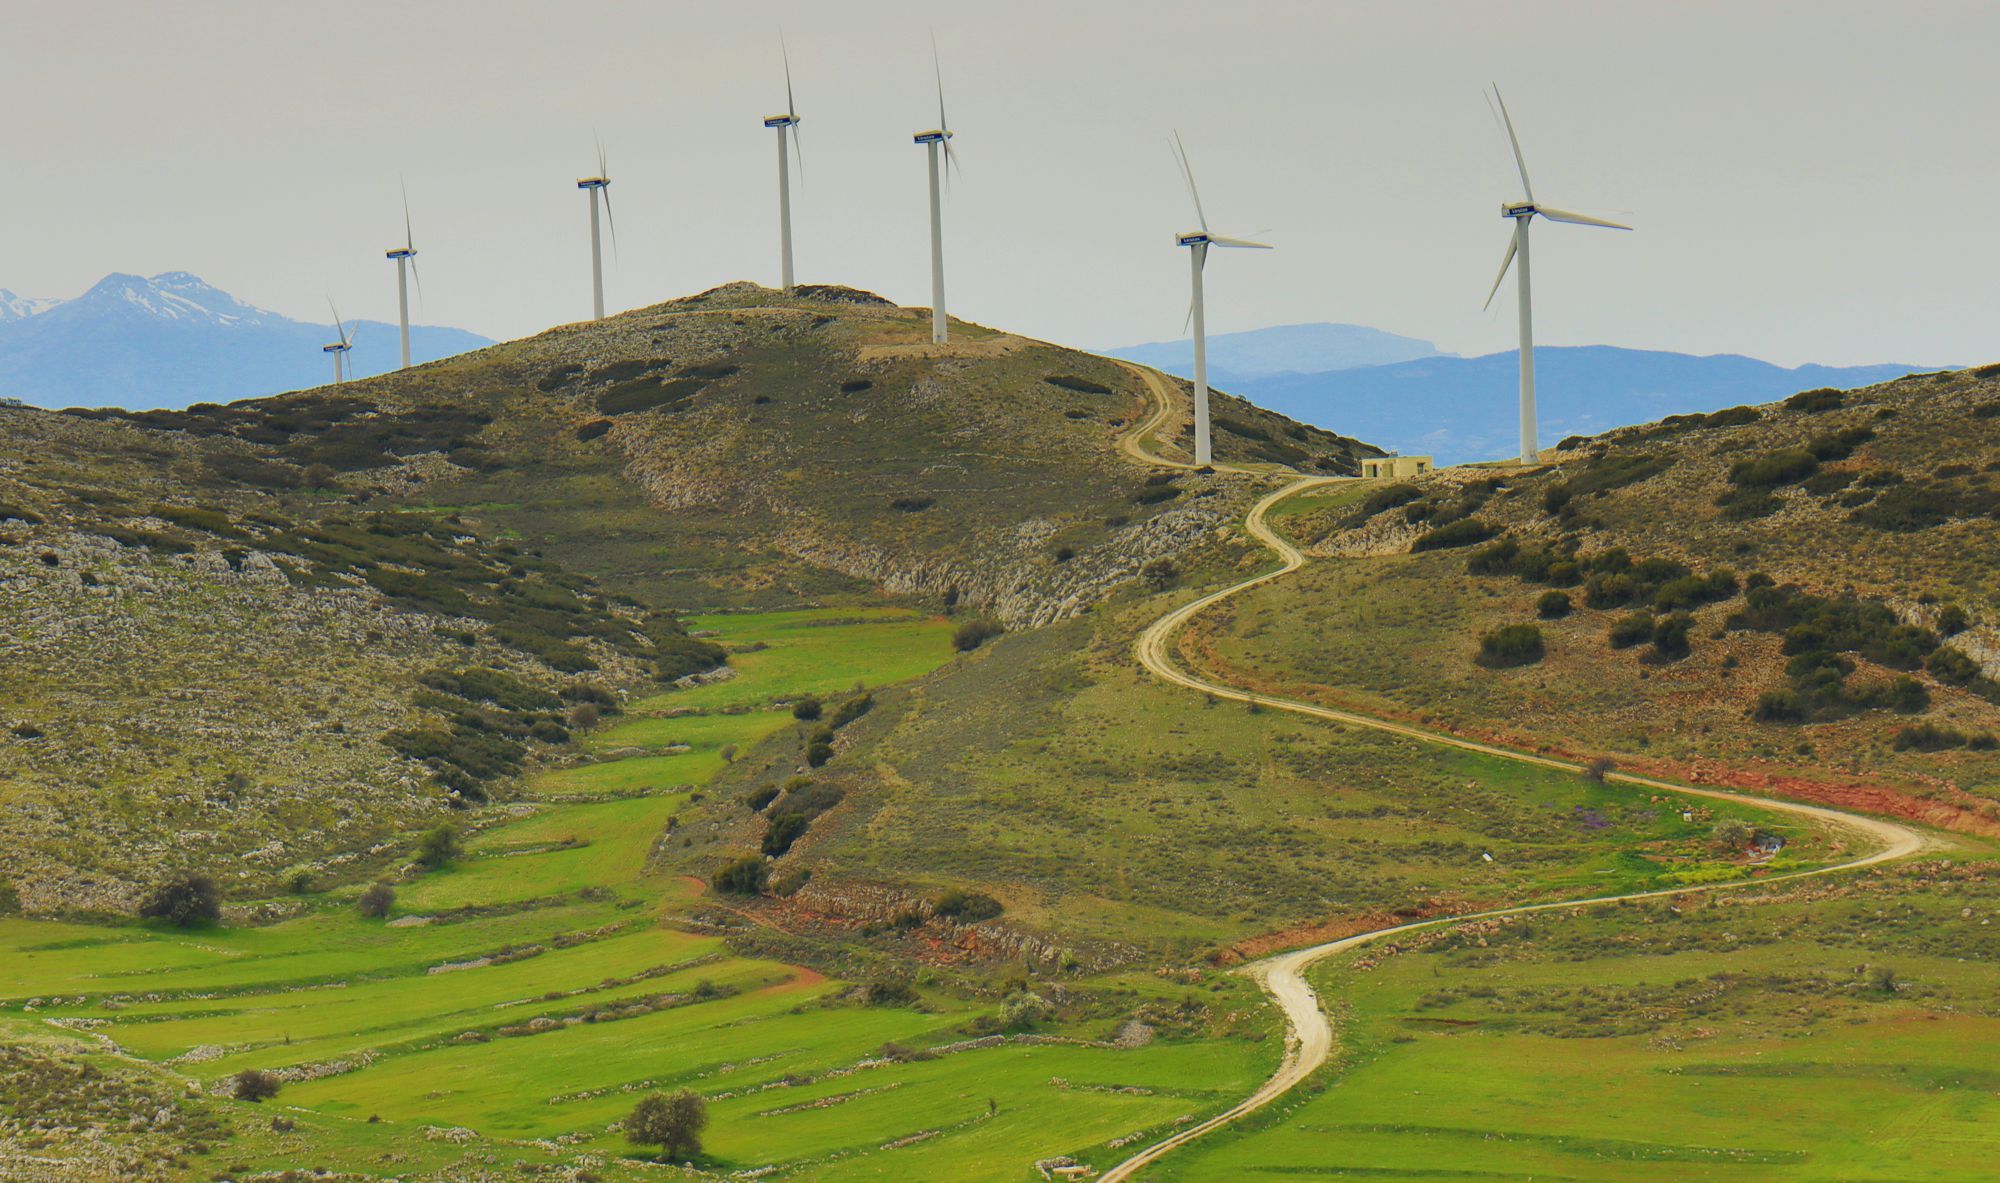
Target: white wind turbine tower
column 938, row 140
column 1199, row 241
column 339, row 348
column 1524, row 212
column 406, row 266
column 601, row 183
column 788, row 129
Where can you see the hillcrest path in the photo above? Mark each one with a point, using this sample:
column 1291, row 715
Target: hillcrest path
column 1309, row 1034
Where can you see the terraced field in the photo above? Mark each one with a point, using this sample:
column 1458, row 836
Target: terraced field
column 517, row 1001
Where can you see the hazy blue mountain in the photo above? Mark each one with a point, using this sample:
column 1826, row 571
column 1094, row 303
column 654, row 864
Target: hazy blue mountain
column 173, row 340
column 1283, row 349
column 1467, row 408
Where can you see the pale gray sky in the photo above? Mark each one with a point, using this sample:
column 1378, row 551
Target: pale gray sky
column 1812, row 180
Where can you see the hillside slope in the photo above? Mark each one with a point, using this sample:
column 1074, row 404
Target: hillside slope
column 271, row 638
column 1801, row 594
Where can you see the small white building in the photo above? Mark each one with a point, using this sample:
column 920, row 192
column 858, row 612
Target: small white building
column 1393, row 467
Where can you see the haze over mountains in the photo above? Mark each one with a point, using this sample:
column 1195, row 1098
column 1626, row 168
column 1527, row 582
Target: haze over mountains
column 1348, row 378
column 173, row 340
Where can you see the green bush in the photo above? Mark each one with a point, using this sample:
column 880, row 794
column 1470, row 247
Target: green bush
column 255, row 1085
column 974, row 633
column 1463, row 532
column 783, row 830
column 184, row 902
column 1773, row 469
column 1812, row 402
column 1952, row 620
column 807, row 708
column 966, row 907
column 439, row 847
column 818, row 754
column 853, row 709
column 1511, row 645
column 1080, row 385
column 743, row 876
column 1927, row 737
column 375, row 901
column 1553, row 605
column 1670, row 637
column 1389, row 497
column 1635, row 629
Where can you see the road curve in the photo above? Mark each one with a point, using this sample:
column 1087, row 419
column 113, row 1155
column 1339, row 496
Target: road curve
column 1309, row 1035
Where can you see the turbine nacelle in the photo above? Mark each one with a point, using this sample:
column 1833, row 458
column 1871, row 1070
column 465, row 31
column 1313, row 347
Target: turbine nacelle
column 401, row 252
column 931, row 137
column 1204, row 238
column 781, row 121
column 593, row 182
column 1517, row 209
column 335, row 348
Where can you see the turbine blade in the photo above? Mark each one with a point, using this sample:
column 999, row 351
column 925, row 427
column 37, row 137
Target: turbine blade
column 609, row 220
column 1505, row 263
column 409, row 239
column 419, row 277
column 798, row 152
column 1563, row 215
column 791, row 104
column 937, row 68
column 1188, row 321
column 339, row 327
column 1187, row 174
column 1220, row 240
column 951, row 162
column 1520, row 162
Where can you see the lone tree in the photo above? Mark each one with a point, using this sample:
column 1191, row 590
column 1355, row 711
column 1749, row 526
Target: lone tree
column 376, row 900
column 184, row 902
column 255, row 1084
column 438, row 846
column 671, row 1121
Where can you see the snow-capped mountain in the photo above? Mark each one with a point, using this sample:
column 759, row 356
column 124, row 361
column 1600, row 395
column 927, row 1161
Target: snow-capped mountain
column 14, row 307
column 172, row 340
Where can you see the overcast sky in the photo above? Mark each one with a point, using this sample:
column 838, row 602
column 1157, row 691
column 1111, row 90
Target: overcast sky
column 1811, row 181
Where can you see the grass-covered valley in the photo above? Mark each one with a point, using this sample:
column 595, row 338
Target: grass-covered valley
column 740, row 703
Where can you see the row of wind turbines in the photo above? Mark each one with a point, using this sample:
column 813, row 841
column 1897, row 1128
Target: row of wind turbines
column 942, row 162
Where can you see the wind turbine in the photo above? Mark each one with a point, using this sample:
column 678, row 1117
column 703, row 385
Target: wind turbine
column 788, row 128
column 406, row 265
column 1524, row 212
column 601, row 183
column 1199, row 241
column 938, row 140
column 339, row 348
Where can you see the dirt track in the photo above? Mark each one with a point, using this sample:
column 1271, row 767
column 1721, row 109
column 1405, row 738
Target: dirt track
column 1309, row 1035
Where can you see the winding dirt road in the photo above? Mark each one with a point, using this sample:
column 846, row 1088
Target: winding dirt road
column 1309, row 1034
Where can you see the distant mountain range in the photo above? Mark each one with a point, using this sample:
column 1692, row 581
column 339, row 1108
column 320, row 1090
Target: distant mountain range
column 1283, row 349
column 1467, row 408
column 173, row 340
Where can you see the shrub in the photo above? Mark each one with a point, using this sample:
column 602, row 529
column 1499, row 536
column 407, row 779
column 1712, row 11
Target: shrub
column 853, row 709
column 1812, row 402
column 672, row 1121
column 966, row 907
column 974, row 633
column 743, row 876
column 376, row 900
column 1597, row 769
column 1159, row 574
column 1952, row 620
column 1927, row 737
column 1553, row 605
column 1731, row 835
column 806, row 708
column 1080, row 385
column 590, row 431
column 912, row 504
column 1783, row 467
column 1389, row 497
column 1463, row 532
column 255, row 1085
column 1670, row 637
column 757, row 799
column 818, row 754
column 438, row 847
column 1635, row 629
column 1952, row 667
column 1496, row 558
column 783, row 830
column 1023, row 1010
column 1510, row 645
column 184, row 902
column 1841, row 444
column 890, row 992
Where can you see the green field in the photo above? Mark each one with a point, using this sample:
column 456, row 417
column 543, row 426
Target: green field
column 531, row 990
column 1728, row 1038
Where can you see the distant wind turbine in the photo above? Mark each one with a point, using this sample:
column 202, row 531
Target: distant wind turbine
column 406, row 265
column 1199, row 241
column 938, row 138
column 788, row 128
column 1524, row 212
column 601, row 183
column 339, row 348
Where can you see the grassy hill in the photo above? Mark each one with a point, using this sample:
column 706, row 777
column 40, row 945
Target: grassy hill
column 238, row 635
column 1796, row 597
